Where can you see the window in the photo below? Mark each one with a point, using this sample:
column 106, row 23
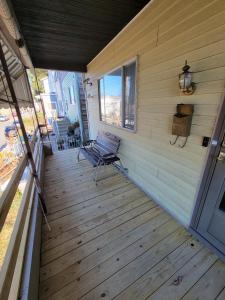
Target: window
column 129, row 96
column 110, row 97
column 73, row 92
column 117, row 97
column 70, row 95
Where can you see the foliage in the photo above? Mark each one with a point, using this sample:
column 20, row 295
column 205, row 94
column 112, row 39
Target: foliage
column 72, row 127
column 4, row 156
column 41, row 118
column 8, row 225
column 40, row 75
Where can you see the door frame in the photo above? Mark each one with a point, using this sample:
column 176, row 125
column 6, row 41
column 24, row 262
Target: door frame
column 207, row 175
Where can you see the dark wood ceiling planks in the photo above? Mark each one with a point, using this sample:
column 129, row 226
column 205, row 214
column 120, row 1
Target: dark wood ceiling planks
column 68, row 34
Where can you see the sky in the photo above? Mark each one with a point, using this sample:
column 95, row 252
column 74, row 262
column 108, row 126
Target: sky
column 113, row 85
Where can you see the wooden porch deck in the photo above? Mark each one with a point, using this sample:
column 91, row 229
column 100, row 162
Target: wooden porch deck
column 113, row 242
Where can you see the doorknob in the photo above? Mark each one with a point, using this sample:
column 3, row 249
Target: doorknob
column 221, row 156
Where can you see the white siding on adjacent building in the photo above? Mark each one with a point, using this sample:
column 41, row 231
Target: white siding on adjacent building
column 163, row 35
column 71, row 97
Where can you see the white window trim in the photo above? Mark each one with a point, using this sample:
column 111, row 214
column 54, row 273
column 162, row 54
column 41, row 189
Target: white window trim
column 132, row 60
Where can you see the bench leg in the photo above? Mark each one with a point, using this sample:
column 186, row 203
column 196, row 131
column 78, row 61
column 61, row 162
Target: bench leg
column 96, row 174
column 120, row 167
column 78, row 155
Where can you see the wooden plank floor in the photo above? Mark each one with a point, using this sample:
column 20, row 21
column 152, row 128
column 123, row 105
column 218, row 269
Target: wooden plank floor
column 112, row 242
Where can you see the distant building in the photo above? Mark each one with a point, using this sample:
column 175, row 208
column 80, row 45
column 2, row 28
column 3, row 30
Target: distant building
column 55, row 85
column 70, row 97
column 49, row 101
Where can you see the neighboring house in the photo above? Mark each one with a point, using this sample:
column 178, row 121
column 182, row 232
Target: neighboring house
column 49, row 101
column 55, row 85
column 70, row 96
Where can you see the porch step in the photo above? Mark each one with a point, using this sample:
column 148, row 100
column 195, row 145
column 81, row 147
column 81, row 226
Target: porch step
column 61, row 126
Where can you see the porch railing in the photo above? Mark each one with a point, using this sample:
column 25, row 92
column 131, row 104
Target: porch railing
column 12, row 267
column 67, row 142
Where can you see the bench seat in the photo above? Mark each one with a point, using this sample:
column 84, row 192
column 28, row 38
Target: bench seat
column 102, row 151
column 93, row 158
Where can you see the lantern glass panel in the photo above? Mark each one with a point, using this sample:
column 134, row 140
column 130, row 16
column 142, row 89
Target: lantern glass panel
column 185, row 81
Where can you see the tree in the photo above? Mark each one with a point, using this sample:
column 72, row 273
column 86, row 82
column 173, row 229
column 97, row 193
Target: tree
column 40, row 73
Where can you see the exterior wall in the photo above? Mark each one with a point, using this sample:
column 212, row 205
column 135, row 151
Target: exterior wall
column 59, row 83
column 49, row 101
column 163, row 35
column 71, row 98
column 55, row 85
column 51, row 81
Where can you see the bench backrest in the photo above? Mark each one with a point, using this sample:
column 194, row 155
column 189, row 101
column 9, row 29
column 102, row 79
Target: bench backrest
column 109, row 142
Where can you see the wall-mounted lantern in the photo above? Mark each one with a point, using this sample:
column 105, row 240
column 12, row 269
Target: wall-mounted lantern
column 187, row 87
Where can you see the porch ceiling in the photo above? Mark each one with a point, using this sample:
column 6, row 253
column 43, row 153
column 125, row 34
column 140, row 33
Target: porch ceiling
column 68, row 34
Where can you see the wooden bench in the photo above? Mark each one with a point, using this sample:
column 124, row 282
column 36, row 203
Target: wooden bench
column 102, row 151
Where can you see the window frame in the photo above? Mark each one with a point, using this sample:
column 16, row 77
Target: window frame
column 122, row 108
column 70, row 96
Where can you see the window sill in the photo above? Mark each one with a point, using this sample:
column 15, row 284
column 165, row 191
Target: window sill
column 121, row 128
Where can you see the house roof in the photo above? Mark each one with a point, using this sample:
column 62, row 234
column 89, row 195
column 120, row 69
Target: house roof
column 68, row 34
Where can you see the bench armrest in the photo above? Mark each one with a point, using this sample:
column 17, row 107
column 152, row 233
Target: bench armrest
column 88, row 142
column 108, row 155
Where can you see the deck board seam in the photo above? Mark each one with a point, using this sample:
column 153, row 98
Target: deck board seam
column 217, row 296
column 89, row 220
column 59, row 175
column 168, row 278
column 133, row 208
column 116, row 254
column 161, row 212
column 94, row 206
column 107, row 220
column 100, row 201
column 82, row 188
column 105, row 232
column 125, row 183
column 210, row 267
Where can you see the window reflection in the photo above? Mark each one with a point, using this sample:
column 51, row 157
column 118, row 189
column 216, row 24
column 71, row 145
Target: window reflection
column 117, row 97
column 111, row 97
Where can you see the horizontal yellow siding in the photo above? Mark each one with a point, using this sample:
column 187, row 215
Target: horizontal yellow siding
column 163, row 36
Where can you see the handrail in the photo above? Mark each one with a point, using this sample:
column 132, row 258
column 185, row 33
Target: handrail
column 10, row 261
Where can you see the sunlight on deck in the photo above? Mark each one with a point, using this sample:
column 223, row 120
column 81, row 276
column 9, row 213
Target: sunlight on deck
column 112, row 241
